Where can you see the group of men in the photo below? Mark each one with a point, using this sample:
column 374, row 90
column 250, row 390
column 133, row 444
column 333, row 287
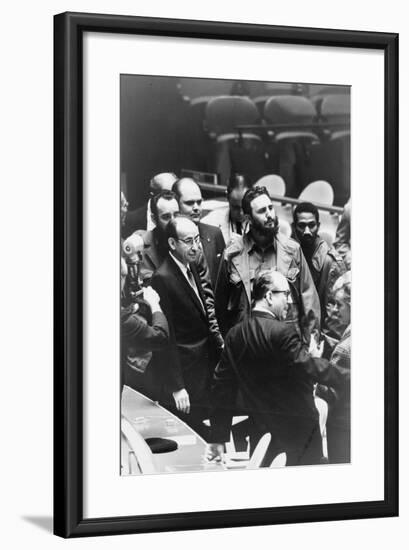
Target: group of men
column 246, row 308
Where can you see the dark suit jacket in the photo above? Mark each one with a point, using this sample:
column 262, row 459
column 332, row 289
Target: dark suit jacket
column 135, row 219
column 265, row 360
column 195, row 343
column 213, row 247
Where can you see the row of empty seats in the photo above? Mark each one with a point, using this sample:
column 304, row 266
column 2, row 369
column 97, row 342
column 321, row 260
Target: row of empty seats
column 296, row 138
column 223, row 114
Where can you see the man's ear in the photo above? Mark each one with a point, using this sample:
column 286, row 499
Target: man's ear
column 153, row 218
column 171, row 243
column 247, row 219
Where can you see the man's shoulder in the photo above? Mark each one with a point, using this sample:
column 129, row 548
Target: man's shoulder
column 288, row 244
column 147, row 236
column 209, row 231
column 165, row 269
column 217, row 217
column 335, row 255
column 235, row 247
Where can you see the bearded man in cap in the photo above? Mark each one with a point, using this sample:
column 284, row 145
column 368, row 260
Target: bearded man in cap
column 263, row 247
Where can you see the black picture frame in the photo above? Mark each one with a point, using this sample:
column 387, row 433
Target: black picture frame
column 68, row 273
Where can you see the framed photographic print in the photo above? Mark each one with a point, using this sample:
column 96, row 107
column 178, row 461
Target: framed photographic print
column 226, row 263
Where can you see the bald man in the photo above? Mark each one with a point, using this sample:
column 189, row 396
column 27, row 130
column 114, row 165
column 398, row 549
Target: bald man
column 142, row 218
column 190, row 200
column 265, row 362
column 195, row 340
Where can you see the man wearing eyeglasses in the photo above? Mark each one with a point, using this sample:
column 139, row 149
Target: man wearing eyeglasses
column 263, row 247
column 196, row 342
column 190, row 200
column 266, row 364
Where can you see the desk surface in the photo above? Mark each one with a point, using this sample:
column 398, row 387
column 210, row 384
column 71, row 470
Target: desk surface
column 152, row 420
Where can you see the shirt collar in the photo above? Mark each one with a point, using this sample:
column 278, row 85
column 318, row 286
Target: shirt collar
column 252, row 245
column 263, row 310
column 180, row 265
column 150, row 224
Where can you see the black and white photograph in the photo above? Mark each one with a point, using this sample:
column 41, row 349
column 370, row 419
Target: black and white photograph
column 235, row 269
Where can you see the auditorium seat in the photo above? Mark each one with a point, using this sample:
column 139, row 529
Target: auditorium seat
column 241, row 153
column 336, row 109
column 274, row 184
column 284, row 227
column 289, row 109
column 136, row 456
column 319, row 191
column 280, row 461
column 330, row 159
column 289, row 145
column 259, row 452
column 322, row 408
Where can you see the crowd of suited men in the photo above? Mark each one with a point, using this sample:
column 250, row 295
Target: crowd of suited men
column 233, row 318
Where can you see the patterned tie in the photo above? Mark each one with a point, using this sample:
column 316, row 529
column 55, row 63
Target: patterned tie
column 192, row 282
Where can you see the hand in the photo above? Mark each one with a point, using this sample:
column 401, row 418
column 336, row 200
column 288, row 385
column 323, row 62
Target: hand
column 316, row 349
column 182, row 401
column 151, row 296
column 214, row 452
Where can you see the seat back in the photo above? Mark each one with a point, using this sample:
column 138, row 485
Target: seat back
column 274, row 184
column 284, row 228
column 289, row 109
column 280, row 461
column 259, row 452
column 137, row 447
column 319, row 191
column 225, row 113
column 336, row 109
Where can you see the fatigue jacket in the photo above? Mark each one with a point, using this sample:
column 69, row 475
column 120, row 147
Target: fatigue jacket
column 234, row 285
column 327, row 265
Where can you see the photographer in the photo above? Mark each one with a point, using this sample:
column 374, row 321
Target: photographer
column 144, row 330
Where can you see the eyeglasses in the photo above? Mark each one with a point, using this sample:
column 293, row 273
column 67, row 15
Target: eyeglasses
column 189, row 241
column 286, row 292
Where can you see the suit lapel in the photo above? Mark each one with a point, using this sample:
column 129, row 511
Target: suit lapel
column 200, row 303
column 184, row 284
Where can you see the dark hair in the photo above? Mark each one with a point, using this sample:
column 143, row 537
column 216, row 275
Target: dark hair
column 165, row 194
column 237, row 181
column 262, row 284
column 250, row 195
column 178, row 183
column 306, row 207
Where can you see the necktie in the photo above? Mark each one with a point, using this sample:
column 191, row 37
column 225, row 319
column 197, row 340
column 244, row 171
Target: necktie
column 238, row 228
column 193, row 285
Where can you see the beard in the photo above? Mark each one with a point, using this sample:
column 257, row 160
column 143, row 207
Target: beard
column 264, row 230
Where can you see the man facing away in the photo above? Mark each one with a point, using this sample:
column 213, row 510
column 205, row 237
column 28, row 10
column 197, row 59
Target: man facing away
column 324, row 262
column 262, row 247
column 265, row 362
column 190, row 204
column 195, row 341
